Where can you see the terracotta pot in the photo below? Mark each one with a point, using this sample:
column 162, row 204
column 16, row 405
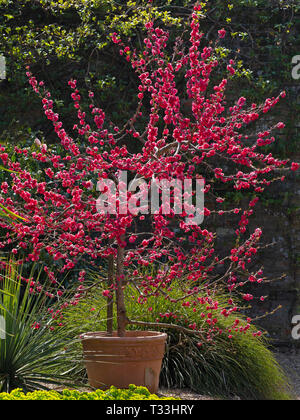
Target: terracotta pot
column 120, row 361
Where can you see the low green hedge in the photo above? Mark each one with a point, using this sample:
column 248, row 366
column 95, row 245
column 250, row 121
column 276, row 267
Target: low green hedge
column 133, row 393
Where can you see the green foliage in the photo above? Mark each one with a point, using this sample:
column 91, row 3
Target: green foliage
column 243, row 366
column 30, row 351
column 133, row 393
column 63, row 39
column 44, row 28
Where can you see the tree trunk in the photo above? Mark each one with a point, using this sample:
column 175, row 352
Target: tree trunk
column 110, row 300
column 121, row 309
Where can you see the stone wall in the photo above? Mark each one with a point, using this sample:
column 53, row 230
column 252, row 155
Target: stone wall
column 278, row 216
column 281, row 227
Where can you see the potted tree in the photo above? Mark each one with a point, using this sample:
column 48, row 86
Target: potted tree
column 134, row 197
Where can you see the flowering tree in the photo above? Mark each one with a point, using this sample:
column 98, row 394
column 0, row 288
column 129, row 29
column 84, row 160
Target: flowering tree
column 64, row 216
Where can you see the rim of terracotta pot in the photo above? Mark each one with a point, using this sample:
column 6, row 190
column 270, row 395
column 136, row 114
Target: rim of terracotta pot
column 130, row 336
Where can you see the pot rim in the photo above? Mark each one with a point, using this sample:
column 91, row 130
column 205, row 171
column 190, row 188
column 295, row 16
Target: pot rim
column 153, row 335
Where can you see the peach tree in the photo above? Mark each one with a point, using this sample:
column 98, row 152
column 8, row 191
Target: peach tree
column 63, row 216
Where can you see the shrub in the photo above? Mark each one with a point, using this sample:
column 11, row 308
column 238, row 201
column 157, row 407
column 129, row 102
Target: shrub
column 133, row 393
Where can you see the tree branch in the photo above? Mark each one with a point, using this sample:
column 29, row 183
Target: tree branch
column 163, row 325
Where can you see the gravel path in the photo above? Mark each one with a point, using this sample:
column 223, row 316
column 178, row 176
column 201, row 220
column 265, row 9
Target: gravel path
column 290, row 362
column 183, row 395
